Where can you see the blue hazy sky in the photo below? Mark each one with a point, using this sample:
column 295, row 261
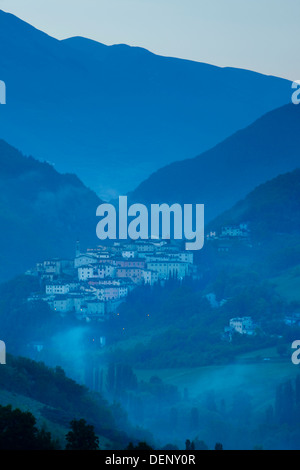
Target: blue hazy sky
column 260, row 35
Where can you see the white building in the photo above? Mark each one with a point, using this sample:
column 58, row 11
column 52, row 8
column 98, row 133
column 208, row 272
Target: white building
column 186, row 257
column 144, row 246
column 242, row 325
column 95, row 308
column 150, row 277
column 240, row 230
column 100, row 271
column 85, row 259
column 85, row 272
column 123, row 291
column 57, row 289
column 104, row 270
column 63, row 304
column 60, row 287
column 49, row 267
column 78, row 301
column 166, row 269
column 128, row 254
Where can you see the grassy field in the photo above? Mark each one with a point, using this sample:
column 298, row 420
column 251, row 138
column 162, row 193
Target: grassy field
column 259, row 379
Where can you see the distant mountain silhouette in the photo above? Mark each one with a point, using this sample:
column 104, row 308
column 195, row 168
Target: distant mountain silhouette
column 115, row 114
column 271, row 208
column 42, row 212
column 225, row 174
column 272, row 211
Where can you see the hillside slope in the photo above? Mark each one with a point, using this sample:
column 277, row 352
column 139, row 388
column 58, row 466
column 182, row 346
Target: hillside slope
column 272, row 207
column 228, row 172
column 273, row 214
column 55, row 400
column 42, row 213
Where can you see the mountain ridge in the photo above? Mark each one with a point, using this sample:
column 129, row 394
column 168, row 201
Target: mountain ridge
column 115, row 114
column 224, row 174
column 37, row 200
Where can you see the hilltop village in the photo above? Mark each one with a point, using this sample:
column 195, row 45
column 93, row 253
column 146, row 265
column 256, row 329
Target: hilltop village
column 94, row 283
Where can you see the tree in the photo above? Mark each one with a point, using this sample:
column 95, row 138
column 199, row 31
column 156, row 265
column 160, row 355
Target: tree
column 187, row 444
column 111, row 379
column 200, row 445
column 269, row 415
column 194, row 419
column 170, row 447
column 218, row 446
column 82, row 436
column 140, row 446
column 211, row 401
column 173, row 418
column 18, row 431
